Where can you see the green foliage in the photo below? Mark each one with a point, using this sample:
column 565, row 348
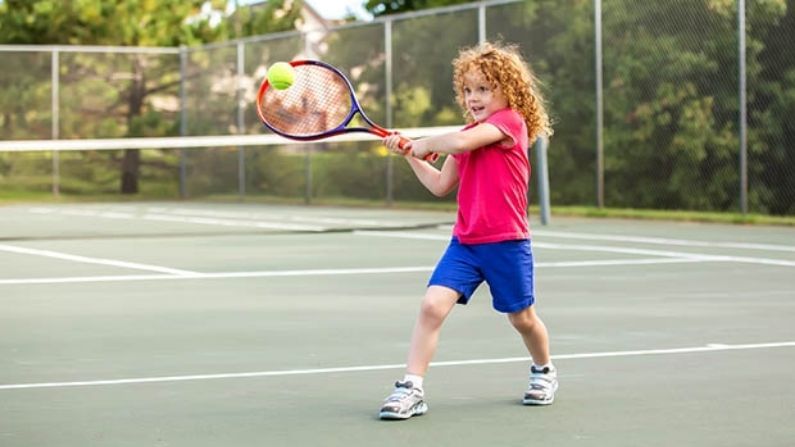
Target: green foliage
column 671, row 106
column 278, row 173
column 670, row 100
column 98, row 22
column 268, row 17
column 25, row 96
column 113, row 95
column 671, row 87
column 557, row 40
column 771, row 103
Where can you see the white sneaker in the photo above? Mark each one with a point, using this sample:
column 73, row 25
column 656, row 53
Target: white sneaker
column 404, row 402
column 543, row 384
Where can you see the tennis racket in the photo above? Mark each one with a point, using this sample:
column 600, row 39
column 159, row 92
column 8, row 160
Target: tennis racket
column 319, row 104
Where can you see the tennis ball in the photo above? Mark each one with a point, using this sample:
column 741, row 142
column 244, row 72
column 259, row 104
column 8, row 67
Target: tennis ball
column 281, row 75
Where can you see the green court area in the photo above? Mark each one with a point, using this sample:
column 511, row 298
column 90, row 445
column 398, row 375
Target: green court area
column 192, row 324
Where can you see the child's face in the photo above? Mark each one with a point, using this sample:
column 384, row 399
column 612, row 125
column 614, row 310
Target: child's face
column 480, row 97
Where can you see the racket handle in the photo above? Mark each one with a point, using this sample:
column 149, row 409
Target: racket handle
column 432, row 157
column 402, row 142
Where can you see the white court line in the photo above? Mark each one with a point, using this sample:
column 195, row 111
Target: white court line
column 663, row 241
column 219, row 218
column 197, row 219
column 666, row 253
column 87, row 260
column 218, row 275
column 665, row 257
column 612, row 262
column 403, row 235
column 713, row 347
column 272, row 216
column 233, row 223
column 318, row 272
column 655, row 240
column 598, row 248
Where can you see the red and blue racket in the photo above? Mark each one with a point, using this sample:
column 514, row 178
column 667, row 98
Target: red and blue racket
column 319, row 104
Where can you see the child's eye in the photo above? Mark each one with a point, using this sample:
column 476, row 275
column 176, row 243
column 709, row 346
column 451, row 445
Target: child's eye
column 467, row 90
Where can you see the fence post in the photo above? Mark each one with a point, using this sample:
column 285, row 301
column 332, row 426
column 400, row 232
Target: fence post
column 241, row 120
column 183, row 121
column 743, row 112
column 56, row 118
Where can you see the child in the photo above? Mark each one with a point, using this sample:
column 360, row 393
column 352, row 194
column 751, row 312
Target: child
column 491, row 238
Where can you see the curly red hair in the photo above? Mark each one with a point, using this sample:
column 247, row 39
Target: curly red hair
column 504, row 68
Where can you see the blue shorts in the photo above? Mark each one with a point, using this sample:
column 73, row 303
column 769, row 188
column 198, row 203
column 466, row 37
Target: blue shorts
column 507, row 267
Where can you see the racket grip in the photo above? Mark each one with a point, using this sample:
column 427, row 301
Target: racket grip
column 402, row 143
column 432, row 157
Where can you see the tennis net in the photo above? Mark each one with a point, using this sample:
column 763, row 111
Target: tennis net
column 351, row 166
column 349, row 169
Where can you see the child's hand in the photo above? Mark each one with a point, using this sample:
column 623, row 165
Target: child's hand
column 392, row 142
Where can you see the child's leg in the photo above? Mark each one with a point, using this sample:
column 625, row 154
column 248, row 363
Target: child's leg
column 543, row 376
column 408, row 398
column 436, row 305
column 533, row 332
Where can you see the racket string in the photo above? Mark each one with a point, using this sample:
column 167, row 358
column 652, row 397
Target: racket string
column 317, row 102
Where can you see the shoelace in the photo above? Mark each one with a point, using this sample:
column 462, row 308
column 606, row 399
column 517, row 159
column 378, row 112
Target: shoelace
column 540, row 379
column 401, row 389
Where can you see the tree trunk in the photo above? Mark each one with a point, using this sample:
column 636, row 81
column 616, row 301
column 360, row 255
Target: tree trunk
column 129, row 171
column 130, row 165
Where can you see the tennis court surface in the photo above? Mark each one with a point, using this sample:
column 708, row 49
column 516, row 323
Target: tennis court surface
column 193, row 324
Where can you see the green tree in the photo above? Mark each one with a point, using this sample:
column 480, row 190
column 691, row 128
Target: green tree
column 117, row 94
column 771, row 134
column 671, row 102
column 556, row 39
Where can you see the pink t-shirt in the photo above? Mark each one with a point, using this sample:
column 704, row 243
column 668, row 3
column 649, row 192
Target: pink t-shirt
column 492, row 191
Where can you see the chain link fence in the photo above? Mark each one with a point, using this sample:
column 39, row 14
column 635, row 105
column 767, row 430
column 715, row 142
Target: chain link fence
column 670, row 102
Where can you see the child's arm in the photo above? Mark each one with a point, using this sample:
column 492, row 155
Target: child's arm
column 438, row 182
column 473, row 138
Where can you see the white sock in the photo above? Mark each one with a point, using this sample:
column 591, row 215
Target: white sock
column 416, row 381
column 541, row 367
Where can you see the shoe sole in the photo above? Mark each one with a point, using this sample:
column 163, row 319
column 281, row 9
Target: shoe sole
column 418, row 411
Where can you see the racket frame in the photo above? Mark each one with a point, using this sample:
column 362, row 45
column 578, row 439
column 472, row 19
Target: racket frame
column 356, row 108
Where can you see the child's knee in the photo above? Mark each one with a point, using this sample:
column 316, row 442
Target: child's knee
column 524, row 320
column 433, row 310
column 437, row 304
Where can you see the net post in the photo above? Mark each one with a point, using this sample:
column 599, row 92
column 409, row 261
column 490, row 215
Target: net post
column 600, row 168
column 542, row 174
column 482, row 23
